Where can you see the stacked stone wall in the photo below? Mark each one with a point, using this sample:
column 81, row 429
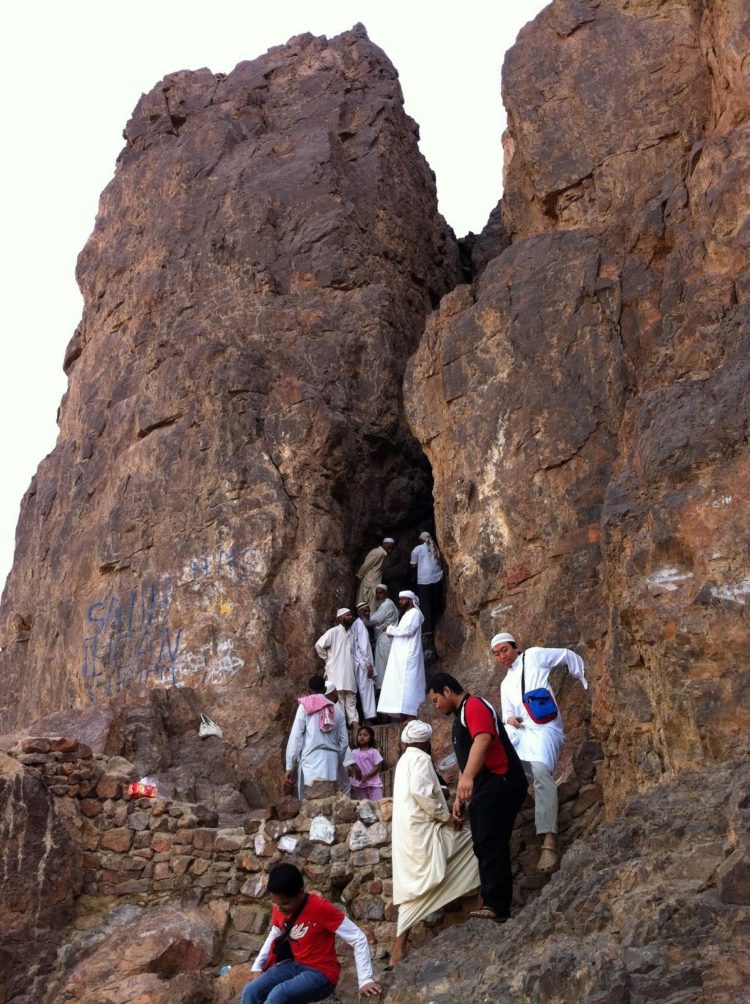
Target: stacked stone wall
column 151, row 848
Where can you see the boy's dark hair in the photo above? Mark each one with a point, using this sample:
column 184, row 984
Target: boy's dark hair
column 317, row 684
column 371, row 733
column 285, row 880
column 437, row 682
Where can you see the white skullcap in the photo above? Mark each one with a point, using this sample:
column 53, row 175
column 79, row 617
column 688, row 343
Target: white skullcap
column 409, row 596
column 362, row 604
column 503, row 636
column 342, row 610
column 388, row 540
column 382, row 585
column 416, row 732
column 330, row 687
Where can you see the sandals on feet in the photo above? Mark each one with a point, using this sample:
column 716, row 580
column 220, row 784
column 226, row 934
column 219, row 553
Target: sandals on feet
column 548, row 860
column 487, row 914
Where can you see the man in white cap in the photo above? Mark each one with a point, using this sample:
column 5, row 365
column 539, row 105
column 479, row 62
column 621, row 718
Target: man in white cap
column 318, row 746
column 433, row 857
column 538, row 744
column 370, row 572
column 427, row 566
column 363, row 662
column 404, row 681
column 380, row 620
column 335, row 648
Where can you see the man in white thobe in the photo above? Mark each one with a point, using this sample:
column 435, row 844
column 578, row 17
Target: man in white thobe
column 336, row 649
column 318, row 745
column 370, row 572
column 380, row 620
column 404, row 682
column 538, row 745
column 363, row 662
column 433, row 857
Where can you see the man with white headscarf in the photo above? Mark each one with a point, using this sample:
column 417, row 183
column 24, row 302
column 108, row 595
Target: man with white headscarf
column 335, row 648
column 363, row 661
column 380, row 620
column 404, row 681
column 427, row 566
column 370, row 572
column 538, row 745
column 433, row 857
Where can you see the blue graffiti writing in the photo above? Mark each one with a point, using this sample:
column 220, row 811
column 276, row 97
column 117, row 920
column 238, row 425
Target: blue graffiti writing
column 240, row 563
column 128, row 642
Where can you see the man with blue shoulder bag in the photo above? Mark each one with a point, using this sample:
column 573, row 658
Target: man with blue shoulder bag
column 534, row 724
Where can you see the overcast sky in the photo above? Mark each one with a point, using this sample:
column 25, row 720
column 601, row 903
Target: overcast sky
column 71, row 75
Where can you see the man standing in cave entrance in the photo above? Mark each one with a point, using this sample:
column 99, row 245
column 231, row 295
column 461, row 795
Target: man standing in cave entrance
column 403, row 684
column 336, row 649
column 538, row 743
column 370, row 573
column 363, row 662
column 427, row 567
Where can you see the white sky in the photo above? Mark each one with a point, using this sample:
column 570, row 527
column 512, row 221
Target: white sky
column 71, row 74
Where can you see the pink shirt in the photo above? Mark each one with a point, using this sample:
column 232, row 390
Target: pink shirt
column 366, row 760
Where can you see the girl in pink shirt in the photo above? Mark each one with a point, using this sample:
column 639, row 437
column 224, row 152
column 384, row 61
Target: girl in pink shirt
column 368, row 759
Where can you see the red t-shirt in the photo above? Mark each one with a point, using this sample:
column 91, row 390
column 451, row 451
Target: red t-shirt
column 312, row 938
column 478, row 720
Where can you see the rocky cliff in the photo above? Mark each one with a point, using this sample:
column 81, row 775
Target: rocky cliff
column 584, row 403
column 232, row 439
column 264, row 264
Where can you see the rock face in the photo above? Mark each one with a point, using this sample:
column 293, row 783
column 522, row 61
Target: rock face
column 654, row 908
column 584, row 403
column 233, row 438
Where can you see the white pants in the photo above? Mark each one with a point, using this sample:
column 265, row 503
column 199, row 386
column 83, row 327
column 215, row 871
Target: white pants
column 348, row 699
column 545, row 795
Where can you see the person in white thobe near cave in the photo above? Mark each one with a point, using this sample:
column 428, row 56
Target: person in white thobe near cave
column 384, row 617
column 335, row 648
column 538, row 745
column 370, row 572
column 404, row 683
column 433, row 856
column 363, row 661
column 318, row 745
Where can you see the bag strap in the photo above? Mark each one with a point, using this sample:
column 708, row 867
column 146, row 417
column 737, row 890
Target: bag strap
column 523, row 674
column 490, row 708
column 286, row 929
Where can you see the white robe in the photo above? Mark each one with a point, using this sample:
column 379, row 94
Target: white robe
column 385, row 616
column 432, row 864
column 318, row 755
column 532, row 741
column 369, row 574
column 335, row 647
column 362, row 655
column 404, row 681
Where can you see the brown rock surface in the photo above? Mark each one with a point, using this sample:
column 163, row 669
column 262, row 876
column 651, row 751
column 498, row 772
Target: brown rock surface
column 584, row 403
column 635, row 915
column 232, row 438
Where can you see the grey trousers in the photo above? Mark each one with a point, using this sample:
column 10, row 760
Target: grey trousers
column 545, row 795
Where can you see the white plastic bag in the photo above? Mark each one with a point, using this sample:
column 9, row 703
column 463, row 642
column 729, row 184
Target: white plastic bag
column 208, row 727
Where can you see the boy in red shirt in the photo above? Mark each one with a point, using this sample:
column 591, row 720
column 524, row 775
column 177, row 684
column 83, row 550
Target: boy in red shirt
column 297, row 963
column 491, row 782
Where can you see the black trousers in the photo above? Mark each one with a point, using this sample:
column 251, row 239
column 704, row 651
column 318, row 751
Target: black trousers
column 431, row 604
column 492, row 813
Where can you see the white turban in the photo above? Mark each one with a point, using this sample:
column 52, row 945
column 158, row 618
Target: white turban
column 342, row 610
column 409, row 595
column 382, row 586
column 425, row 535
column 416, row 732
column 503, row 636
column 388, row 540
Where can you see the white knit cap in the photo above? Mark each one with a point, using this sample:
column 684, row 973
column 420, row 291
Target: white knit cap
column 361, row 605
column 342, row 610
column 388, row 540
column 503, row 636
column 416, row 732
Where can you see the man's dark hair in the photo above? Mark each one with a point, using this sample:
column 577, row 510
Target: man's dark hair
column 285, row 880
column 437, row 682
column 317, row 684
